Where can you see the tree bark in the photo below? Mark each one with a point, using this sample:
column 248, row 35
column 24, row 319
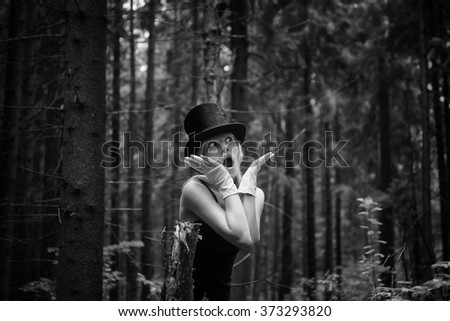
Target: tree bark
column 210, row 44
column 10, row 140
column 132, row 267
column 337, row 215
column 51, row 191
column 309, row 171
column 412, row 161
column 436, row 22
column 287, row 272
column 178, row 259
column 446, row 106
column 175, row 67
column 147, row 189
column 239, row 46
column 423, row 246
column 195, row 69
column 25, row 249
column 387, row 227
column 276, row 237
column 81, row 233
column 328, row 214
column 117, row 230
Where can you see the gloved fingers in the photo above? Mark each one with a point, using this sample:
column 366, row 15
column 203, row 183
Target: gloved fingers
column 262, row 160
column 209, row 162
column 213, row 169
column 194, row 163
column 201, row 162
column 196, row 158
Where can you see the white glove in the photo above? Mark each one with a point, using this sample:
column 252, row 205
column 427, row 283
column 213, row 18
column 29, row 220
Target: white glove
column 248, row 182
column 215, row 173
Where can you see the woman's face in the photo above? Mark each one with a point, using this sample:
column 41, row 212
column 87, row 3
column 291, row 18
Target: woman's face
column 225, row 149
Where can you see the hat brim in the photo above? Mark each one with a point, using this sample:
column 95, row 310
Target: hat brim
column 237, row 129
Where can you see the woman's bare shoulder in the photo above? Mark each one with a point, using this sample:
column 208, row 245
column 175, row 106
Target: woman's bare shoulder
column 193, row 183
column 193, row 189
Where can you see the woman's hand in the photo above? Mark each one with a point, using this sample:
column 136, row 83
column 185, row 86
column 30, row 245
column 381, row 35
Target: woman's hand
column 248, row 182
column 215, row 172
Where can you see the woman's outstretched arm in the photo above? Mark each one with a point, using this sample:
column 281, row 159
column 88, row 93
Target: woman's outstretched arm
column 252, row 196
column 253, row 206
column 231, row 223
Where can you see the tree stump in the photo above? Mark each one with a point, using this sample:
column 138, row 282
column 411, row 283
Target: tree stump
column 178, row 257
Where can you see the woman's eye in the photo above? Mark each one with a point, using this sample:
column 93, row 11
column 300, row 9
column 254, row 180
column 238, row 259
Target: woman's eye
column 213, row 147
column 228, row 140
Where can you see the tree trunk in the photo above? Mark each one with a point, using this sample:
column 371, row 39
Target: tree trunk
column 117, row 230
column 260, row 291
column 195, row 69
column 132, row 267
column 239, row 46
column 81, row 233
column 440, row 149
column 4, row 13
column 52, row 191
column 412, row 161
column 446, row 94
column 210, row 44
column 174, row 68
column 423, row 253
column 436, row 23
column 287, row 272
column 178, row 259
column 423, row 243
column 446, row 106
column 387, row 229
column 177, row 129
column 24, row 248
column 338, row 206
column 328, row 215
column 276, row 237
column 10, row 140
column 309, row 171
column 147, row 189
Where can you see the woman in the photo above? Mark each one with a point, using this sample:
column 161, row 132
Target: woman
column 227, row 204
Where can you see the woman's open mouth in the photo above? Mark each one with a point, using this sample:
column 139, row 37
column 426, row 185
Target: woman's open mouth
column 228, row 162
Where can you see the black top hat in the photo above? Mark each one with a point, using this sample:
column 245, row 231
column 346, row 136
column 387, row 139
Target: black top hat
column 207, row 120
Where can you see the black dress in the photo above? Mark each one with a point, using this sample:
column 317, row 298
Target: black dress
column 213, row 264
